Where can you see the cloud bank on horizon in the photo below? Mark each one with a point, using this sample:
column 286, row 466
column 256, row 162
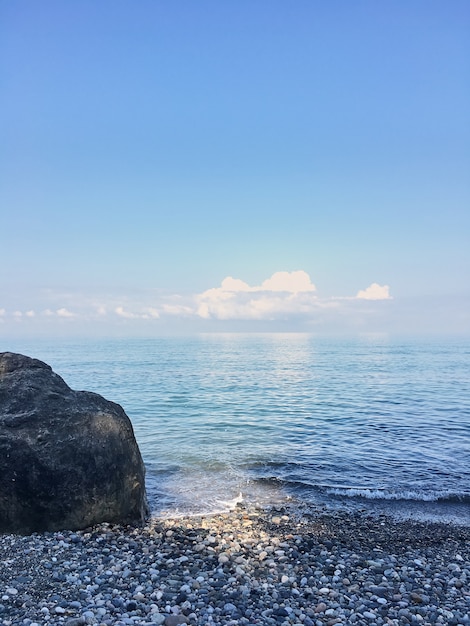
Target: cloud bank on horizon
column 283, row 296
column 284, row 293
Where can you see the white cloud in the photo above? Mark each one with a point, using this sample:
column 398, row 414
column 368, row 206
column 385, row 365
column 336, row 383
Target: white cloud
column 293, row 282
column 283, row 296
column 285, row 293
column 235, row 284
column 284, row 300
column 19, row 314
column 177, row 309
column 119, row 310
column 375, row 292
column 146, row 313
column 63, row 312
column 150, row 313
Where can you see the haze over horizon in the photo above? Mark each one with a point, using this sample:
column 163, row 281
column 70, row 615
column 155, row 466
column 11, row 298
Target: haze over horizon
column 193, row 167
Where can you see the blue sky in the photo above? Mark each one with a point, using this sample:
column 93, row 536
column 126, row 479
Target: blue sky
column 151, row 150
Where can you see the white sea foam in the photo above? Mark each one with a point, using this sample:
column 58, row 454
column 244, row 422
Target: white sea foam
column 383, row 494
column 231, row 504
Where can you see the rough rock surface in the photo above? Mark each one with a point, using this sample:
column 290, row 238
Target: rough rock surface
column 68, row 459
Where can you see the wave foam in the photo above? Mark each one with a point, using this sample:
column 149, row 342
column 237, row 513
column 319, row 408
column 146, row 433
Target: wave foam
column 407, row 494
column 231, row 504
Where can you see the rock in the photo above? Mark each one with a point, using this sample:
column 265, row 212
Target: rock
column 74, row 621
column 68, row 459
column 174, row 620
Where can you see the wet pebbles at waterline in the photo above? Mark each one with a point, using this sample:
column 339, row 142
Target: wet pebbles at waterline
column 240, row 568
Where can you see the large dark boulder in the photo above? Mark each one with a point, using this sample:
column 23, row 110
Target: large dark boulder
column 68, row 459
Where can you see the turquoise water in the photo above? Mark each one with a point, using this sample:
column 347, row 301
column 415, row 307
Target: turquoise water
column 371, row 423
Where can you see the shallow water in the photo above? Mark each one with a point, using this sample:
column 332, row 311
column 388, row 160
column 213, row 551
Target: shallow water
column 371, row 422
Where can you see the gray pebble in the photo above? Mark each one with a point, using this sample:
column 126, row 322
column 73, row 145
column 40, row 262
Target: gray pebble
column 240, row 569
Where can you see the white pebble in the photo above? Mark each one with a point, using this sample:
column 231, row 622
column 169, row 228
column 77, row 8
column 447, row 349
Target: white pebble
column 11, row 591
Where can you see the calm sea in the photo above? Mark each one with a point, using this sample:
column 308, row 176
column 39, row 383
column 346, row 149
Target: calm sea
column 371, row 423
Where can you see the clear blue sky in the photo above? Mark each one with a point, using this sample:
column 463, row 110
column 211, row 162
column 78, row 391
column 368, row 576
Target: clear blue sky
column 151, row 149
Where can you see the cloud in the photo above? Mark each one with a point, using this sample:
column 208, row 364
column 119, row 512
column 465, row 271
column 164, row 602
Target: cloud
column 293, row 282
column 375, row 292
column 18, row 314
column 235, row 284
column 150, row 313
column 290, row 282
column 283, row 294
column 119, row 310
column 284, row 300
column 146, row 314
column 177, row 309
column 63, row 312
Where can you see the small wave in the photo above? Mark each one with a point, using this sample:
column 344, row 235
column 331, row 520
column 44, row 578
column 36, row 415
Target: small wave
column 406, row 494
column 231, row 504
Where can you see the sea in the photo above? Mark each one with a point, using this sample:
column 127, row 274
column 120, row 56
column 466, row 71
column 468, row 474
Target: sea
column 367, row 423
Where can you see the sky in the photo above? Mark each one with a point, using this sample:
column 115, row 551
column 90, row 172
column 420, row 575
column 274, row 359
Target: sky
column 181, row 166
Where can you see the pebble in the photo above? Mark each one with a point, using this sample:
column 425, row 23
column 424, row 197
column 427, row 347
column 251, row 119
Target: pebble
column 276, row 568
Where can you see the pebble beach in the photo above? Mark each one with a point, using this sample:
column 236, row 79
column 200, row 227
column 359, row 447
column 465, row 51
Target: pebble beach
column 276, row 567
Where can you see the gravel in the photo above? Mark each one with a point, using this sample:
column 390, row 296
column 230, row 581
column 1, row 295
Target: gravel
column 279, row 567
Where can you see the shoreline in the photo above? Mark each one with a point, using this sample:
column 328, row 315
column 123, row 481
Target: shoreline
column 249, row 566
